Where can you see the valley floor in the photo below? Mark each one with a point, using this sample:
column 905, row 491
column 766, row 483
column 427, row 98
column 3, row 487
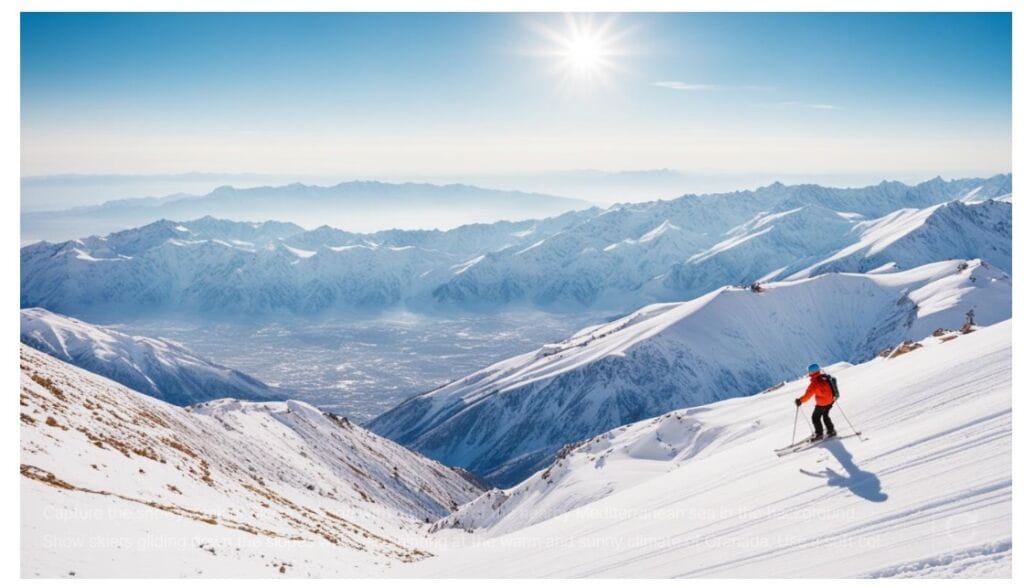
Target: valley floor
column 926, row 493
column 361, row 367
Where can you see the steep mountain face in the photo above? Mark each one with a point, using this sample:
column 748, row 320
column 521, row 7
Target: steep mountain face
column 155, row 367
column 770, row 246
column 908, row 238
column 926, row 491
column 591, row 264
column 613, row 260
column 508, row 420
column 352, row 205
column 238, row 488
column 811, row 240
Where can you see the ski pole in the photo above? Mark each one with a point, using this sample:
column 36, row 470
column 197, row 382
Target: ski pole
column 795, row 417
column 806, row 418
column 848, row 422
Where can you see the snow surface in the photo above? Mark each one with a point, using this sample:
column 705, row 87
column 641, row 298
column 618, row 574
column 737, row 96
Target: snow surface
column 510, row 419
column 118, row 484
column 157, row 367
column 300, row 252
column 699, row 492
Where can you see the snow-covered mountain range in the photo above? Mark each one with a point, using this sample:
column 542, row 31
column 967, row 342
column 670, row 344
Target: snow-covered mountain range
column 156, row 367
column 676, row 249
column 910, row 237
column 353, row 205
column 925, row 492
column 239, row 267
column 616, row 259
column 509, row 420
column 115, row 483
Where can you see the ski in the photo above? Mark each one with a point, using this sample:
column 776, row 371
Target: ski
column 809, row 442
column 796, row 444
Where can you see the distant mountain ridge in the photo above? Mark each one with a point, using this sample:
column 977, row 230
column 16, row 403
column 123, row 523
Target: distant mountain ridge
column 593, row 263
column 355, row 205
column 612, row 260
column 214, row 265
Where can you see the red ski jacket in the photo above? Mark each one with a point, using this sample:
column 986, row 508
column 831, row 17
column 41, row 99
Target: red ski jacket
column 819, row 389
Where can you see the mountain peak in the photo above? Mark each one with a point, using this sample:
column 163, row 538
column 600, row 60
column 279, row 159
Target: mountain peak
column 658, row 231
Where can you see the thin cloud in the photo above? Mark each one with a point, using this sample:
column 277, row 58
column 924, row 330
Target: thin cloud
column 685, row 86
column 810, row 105
column 690, row 87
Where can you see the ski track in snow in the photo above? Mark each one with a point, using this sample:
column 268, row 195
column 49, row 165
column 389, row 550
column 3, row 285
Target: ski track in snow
column 928, row 494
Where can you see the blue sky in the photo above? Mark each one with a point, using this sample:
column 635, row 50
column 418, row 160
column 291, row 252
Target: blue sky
column 375, row 94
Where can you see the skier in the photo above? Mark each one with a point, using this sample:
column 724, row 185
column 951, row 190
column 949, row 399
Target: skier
column 820, row 389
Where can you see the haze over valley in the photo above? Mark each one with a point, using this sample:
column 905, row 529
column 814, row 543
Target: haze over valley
column 357, row 322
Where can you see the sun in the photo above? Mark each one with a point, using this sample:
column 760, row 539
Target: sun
column 585, row 54
column 584, row 50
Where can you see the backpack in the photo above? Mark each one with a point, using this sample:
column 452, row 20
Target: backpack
column 832, row 383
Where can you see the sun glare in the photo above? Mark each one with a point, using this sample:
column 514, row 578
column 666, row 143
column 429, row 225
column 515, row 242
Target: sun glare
column 584, row 54
column 584, row 50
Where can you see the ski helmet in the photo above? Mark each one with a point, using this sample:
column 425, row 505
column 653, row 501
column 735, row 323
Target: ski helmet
column 813, row 368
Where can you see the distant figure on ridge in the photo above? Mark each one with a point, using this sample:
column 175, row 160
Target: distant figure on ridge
column 821, row 389
column 969, row 323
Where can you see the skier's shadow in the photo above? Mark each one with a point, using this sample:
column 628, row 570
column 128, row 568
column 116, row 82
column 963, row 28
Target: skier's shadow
column 863, row 484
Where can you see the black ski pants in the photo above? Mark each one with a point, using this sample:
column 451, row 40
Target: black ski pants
column 821, row 414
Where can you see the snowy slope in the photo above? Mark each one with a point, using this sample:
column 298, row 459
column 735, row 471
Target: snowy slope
column 769, row 246
column 509, row 420
column 699, row 492
column 613, row 260
column 116, row 483
column 912, row 237
column 811, row 240
column 156, row 367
